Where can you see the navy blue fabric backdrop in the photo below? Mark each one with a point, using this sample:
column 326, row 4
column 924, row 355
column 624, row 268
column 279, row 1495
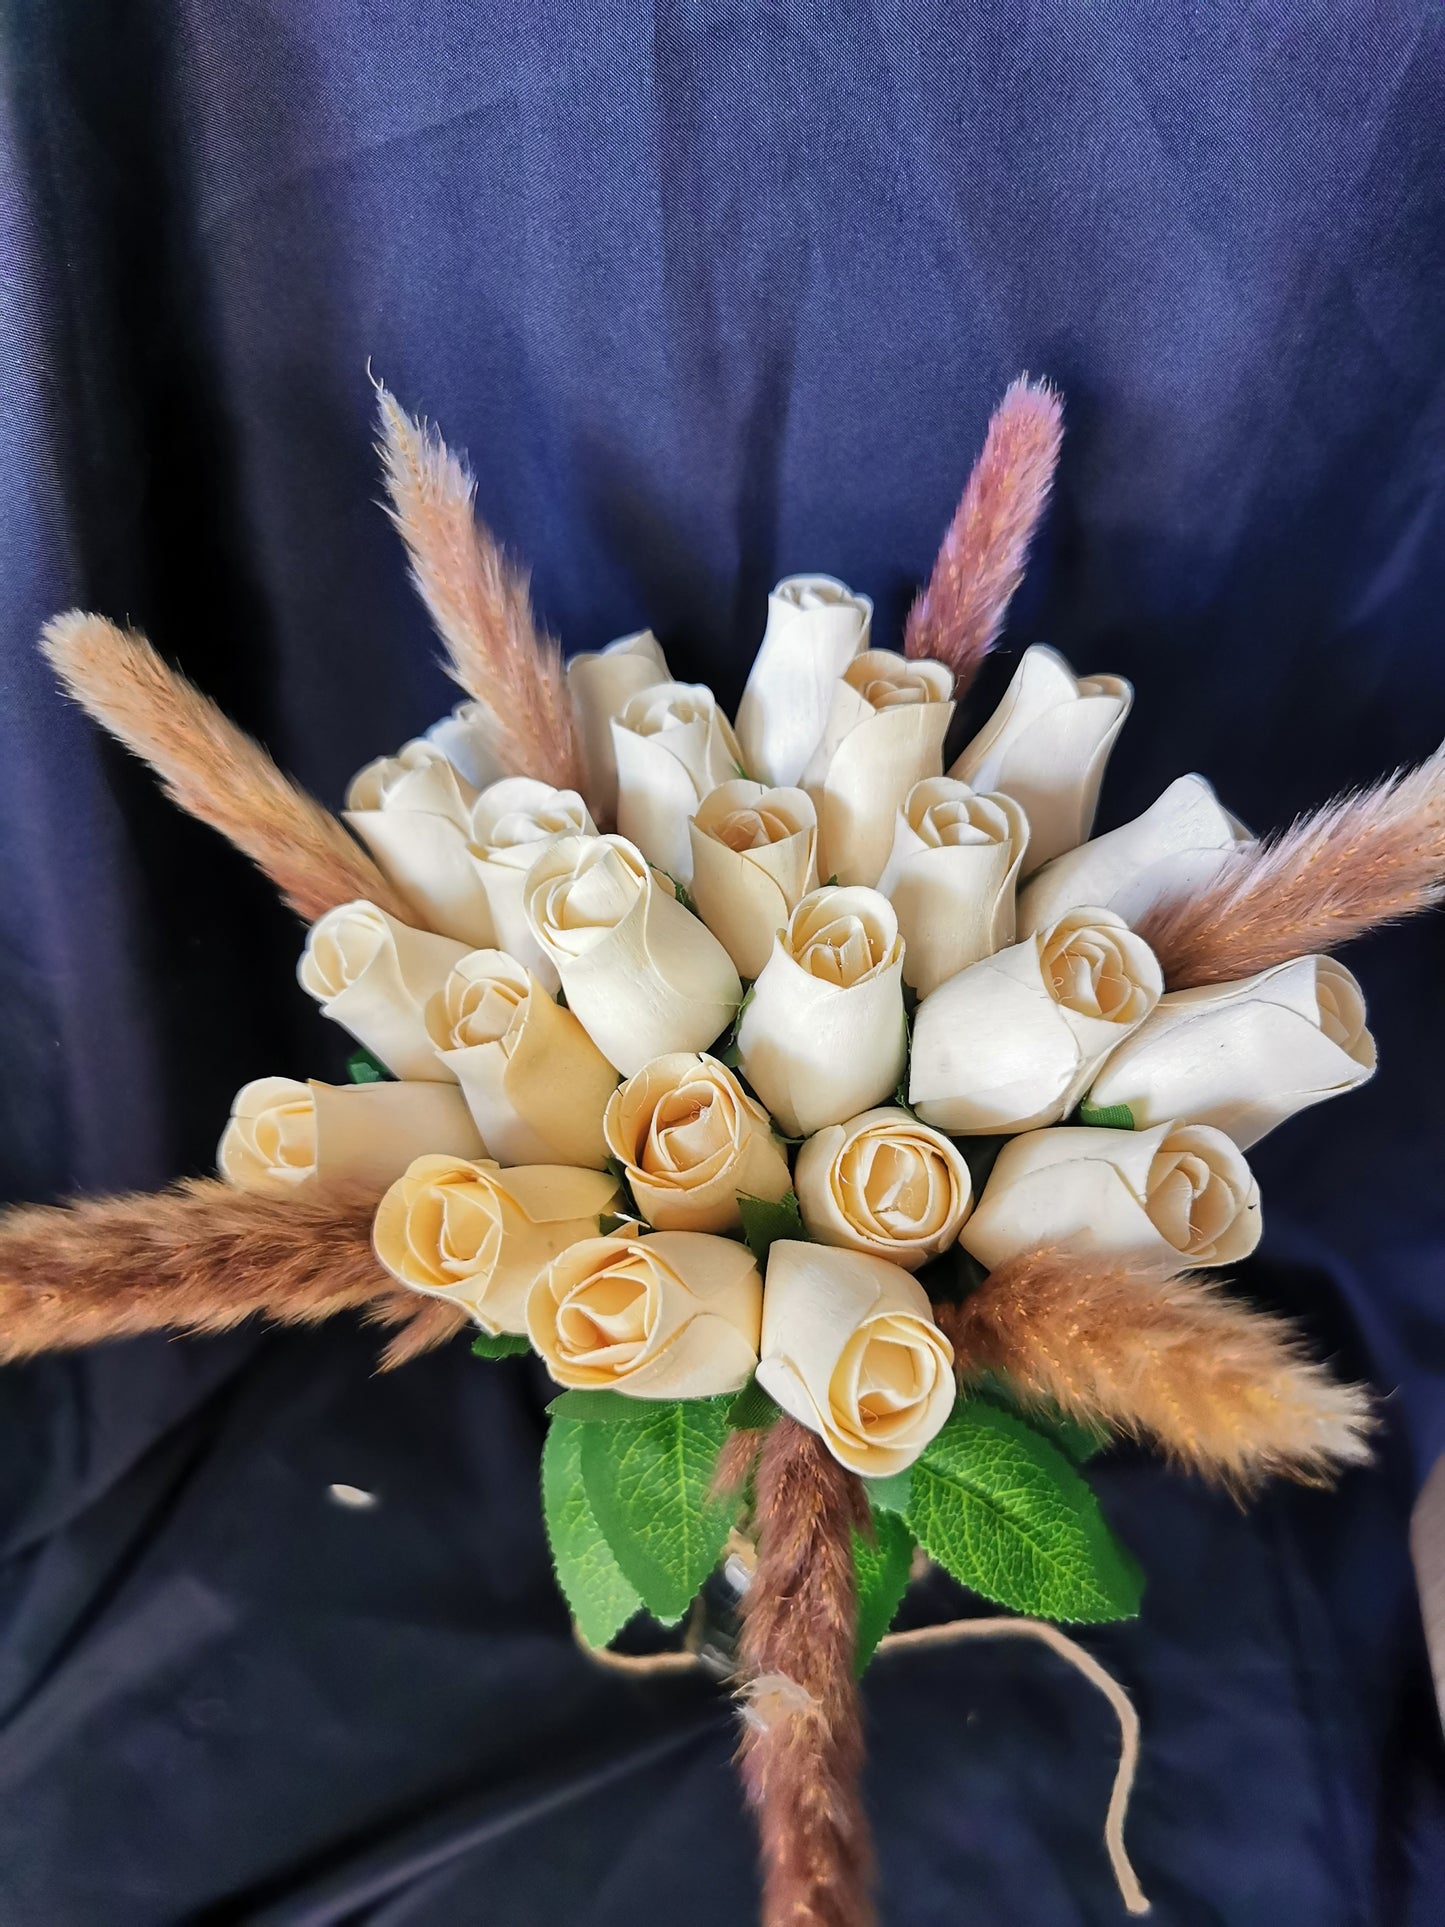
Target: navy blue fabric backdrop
column 711, row 292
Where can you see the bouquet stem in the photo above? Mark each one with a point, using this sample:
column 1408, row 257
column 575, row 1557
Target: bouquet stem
column 802, row 1748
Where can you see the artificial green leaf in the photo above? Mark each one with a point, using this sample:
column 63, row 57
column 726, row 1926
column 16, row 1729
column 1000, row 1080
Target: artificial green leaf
column 680, row 891
column 499, row 1345
column 1003, row 1510
column 765, row 1221
column 1107, row 1117
column 1075, row 1440
column 882, row 1566
column 363, row 1068
column 730, row 1055
column 891, row 1494
column 600, row 1595
column 600, row 1408
column 752, row 1409
column 650, row 1486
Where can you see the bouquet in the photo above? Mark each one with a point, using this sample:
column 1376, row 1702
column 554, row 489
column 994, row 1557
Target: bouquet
column 856, row 1138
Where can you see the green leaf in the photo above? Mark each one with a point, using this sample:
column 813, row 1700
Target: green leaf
column 1107, row 1117
column 832, row 882
column 882, row 1568
column 752, row 1409
column 600, row 1408
column 680, row 891
column 1078, row 1442
column 1008, row 1516
column 740, row 772
column 765, row 1221
column 600, row 1595
column 730, row 1055
column 891, row 1494
column 650, row 1487
column 610, row 1221
column 363, row 1068
column 499, row 1345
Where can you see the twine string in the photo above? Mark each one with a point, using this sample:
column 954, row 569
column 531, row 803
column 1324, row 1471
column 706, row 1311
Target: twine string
column 645, row 1665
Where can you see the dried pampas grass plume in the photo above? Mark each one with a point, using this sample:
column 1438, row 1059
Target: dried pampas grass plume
column 802, row 1747
column 1227, row 1391
column 479, row 603
column 958, row 617
column 201, row 1257
column 212, row 768
column 1367, row 858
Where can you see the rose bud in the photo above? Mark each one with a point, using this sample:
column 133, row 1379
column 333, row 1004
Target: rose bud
column 674, row 1315
column 532, row 1078
column 672, row 744
column 1178, row 1191
column 413, row 812
column 851, row 1351
column 601, row 683
column 816, row 626
column 691, row 1141
column 374, row 977
column 884, row 733
column 1047, row 744
column 754, row 859
column 1179, row 845
column 885, row 1184
column 1244, row 1056
column 823, row 1036
column 1014, row 1041
column 951, row 877
column 511, row 823
column 643, row 975
column 477, row 1235
column 468, row 739
column 284, row 1134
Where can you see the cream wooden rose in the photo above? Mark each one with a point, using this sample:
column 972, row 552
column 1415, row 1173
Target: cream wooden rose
column 601, row 683
column 672, row 1315
column 672, row 744
column 531, row 1076
column 470, row 1232
column 269, row 1143
column 467, row 738
column 1176, row 1191
column 886, row 1184
column 511, row 823
column 884, row 733
column 413, row 811
column 850, row 1350
column 1047, row 745
column 692, row 1141
column 754, row 859
column 1013, row 1042
column 823, row 1035
column 951, row 876
column 374, row 977
column 1179, row 845
column 816, row 625
column 1245, row 1056
column 643, row 974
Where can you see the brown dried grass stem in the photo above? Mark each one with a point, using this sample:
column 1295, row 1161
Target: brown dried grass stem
column 1225, row 1390
column 201, row 1257
column 1365, row 859
column 479, row 603
column 211, row 768
column 958, row 617
column 802, row 1748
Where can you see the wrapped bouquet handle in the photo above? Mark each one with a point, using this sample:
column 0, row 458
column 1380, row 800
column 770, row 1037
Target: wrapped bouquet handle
column 855, row 1137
